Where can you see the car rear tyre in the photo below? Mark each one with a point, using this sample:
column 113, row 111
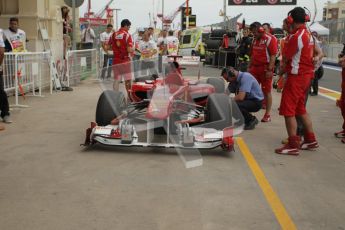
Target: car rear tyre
column 217, row 83
column 110, row 105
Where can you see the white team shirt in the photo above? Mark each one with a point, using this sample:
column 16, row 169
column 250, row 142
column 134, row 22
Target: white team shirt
column 137, row 39
column 172, row 45
column 104, row 38
column 17, row 40
column 161, row 43
column 147, row 48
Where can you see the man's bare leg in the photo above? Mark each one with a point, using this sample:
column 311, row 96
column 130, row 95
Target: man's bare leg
column 269, row 101
column 116, row 85
column 291, row 126
column 128, row 85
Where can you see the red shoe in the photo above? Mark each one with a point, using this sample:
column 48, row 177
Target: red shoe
column 340, row 134
column 287, row 150
column 309, row 145
column 266, row 118
column 343, row 140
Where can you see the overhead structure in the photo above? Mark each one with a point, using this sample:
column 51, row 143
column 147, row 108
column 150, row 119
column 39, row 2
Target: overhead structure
column 97, row 19
column 168, row 19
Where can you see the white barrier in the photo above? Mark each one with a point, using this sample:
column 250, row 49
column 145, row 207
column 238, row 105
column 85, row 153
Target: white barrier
column 81, row 64
column 26, row 72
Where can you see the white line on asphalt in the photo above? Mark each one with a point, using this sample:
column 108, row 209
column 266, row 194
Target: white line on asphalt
column 328, row 97
column 332, row 68
column 330, row 90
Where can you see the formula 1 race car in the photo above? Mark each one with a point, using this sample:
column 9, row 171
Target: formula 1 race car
column 168, row 111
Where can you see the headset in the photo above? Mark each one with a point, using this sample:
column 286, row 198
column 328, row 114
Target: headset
column 307, row 17
column 261, row 30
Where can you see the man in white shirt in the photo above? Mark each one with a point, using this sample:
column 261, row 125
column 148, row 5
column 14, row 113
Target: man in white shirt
column 15, row 38
column 149, row 51
column 87, row 39
column 172, row 44
column 4, row 106
column 87, row 36
column 107, row 52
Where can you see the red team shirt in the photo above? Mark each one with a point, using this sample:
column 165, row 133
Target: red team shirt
column 120, row 41
column 299, row 53
column 262, row 49
column 300, row 68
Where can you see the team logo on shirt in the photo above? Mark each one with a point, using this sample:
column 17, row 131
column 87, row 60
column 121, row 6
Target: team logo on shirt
column 272, row 1
column 119, row 36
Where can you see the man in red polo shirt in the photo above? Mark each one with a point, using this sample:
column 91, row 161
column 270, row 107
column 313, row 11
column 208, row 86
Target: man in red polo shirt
column 263, row 56
column 299, row 56
column 122, row 45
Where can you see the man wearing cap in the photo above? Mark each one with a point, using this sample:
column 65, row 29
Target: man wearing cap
column 300, row 71
column 122, row 44
column 249, row 95
column 172, row 43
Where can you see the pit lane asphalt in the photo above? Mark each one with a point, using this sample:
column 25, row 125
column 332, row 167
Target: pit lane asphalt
column 47, row 181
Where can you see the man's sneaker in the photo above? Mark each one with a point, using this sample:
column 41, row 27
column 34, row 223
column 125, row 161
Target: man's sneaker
column 7, row 119
column 287, row 150
column 340, row 134
column 309, row 145
column 266, row 118
column 251, row 125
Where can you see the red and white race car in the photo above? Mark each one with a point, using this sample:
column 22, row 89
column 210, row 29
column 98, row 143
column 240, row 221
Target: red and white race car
column 170, row 112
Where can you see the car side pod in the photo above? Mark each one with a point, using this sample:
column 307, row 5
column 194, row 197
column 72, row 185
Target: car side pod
column 228, row 139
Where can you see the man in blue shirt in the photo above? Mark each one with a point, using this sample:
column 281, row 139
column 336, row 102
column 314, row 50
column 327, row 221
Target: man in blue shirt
column 249, row 95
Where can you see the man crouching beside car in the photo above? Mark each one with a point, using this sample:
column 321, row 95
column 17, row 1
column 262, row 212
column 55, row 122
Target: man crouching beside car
column 248, row 94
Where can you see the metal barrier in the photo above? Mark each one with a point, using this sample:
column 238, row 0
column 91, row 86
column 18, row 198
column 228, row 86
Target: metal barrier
column 81, row 64
column 26, row 72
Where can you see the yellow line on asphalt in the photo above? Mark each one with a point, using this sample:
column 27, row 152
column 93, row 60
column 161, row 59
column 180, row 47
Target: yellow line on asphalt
column 328, row 93
column 272, row 198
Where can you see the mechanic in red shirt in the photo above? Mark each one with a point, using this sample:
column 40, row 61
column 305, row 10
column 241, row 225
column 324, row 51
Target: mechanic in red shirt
column 299, row 55
column 341, row 101
column 122, row 45
column 263, row 56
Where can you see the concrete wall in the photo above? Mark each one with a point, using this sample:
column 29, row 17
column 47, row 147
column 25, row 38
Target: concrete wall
column 31, row 14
